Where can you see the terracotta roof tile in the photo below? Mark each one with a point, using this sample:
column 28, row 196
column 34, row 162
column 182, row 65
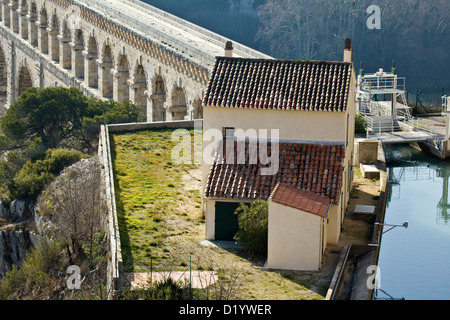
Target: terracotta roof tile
column 279, row 84
column 313, row 168
column 304, row 200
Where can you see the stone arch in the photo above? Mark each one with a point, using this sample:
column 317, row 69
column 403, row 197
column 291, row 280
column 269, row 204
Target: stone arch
column 107, row 76
column 23, row 19
column 15, row 15
column 43, row 24
column 6, row 15
column 158, row 99
column 54, row 42
column 179, row 107
column 78, row 48
column 66, row 51
column 92, row 69
column 123, row 74
column 198, row 109
column 3, row 81
column 32, row 24
column 24, row 81
column 140, row 86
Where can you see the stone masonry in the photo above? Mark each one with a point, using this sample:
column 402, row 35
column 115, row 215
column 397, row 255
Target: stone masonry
column 115, row 49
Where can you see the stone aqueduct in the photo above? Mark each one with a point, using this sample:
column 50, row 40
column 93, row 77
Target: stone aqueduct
column 110, row 49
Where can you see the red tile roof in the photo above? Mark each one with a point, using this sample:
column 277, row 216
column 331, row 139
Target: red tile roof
column 279, row 84
column 311, row 167
column 299, row 199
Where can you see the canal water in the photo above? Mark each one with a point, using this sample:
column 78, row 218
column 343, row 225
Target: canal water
column 414, row 262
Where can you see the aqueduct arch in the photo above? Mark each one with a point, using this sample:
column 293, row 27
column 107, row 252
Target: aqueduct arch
column 140, row 87
column 158, row 99
column 66, row 50
column 43, row 24
column 78, row 59
column 32, row 19
column 71, row 43
column 106, row 66
column 23, row 20
column 123, row 74
column 92, row 68
column 25, row 82
column 179, row 107
column 54, row 41
column 198, row 109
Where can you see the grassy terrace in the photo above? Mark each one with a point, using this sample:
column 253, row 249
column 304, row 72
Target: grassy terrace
column 161, row 224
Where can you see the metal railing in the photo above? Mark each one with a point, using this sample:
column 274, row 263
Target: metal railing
column 403, row 123
column 385, row 84
column 445, row 104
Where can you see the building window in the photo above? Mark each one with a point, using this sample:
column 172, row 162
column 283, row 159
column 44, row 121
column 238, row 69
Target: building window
column 227, row 132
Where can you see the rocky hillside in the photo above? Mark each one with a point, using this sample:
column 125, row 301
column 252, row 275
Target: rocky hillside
column 17, row 233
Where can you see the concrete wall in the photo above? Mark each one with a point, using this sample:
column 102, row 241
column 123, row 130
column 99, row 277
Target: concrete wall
column 334, row 222
column 115, row 261
column 367, row 151
column 295, row 239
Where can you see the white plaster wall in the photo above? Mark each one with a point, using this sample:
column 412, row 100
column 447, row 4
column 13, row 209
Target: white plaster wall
column 294, row 239
column 292, row 125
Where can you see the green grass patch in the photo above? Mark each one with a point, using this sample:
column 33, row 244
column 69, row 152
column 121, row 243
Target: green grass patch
column 150, row 194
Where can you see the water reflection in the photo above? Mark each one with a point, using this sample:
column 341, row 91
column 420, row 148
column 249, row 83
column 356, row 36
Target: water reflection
column 414, row 262
column 408, row 164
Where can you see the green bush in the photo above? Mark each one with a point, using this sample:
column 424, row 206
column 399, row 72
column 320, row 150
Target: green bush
column 253, row 225
column 167, row 289
column 35, row 175
column 110, row 112
column 61, row 117
column 360, row 124
column 41, row 275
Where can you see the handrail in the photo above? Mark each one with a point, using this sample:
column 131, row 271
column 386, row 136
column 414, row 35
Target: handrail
column 341, row 272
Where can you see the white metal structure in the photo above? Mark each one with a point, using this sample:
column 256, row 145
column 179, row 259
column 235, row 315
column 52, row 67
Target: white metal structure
column 446, row 105
column 381, row 100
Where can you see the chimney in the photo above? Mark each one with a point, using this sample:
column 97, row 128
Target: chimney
column 348, row 50
column 229, row 49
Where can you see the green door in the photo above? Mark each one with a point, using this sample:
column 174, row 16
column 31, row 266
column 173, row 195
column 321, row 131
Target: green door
column 226, row 224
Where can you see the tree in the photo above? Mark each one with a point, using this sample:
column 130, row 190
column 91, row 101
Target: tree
column 61, row 117
column 305, row 29
column 411, row 33
column 75, row 205
column 52, row 114
column 253, row 225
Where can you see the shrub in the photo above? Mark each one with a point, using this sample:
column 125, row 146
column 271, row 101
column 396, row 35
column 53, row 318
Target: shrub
column 167, row 289
column 40, row 277
column 253, row 225
column 35, row 175
column 360, row 124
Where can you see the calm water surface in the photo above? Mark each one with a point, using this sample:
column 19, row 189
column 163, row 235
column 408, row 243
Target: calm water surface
column 415, row 262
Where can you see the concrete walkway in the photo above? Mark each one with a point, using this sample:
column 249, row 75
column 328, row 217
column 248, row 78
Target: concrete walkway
column 199, row 279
